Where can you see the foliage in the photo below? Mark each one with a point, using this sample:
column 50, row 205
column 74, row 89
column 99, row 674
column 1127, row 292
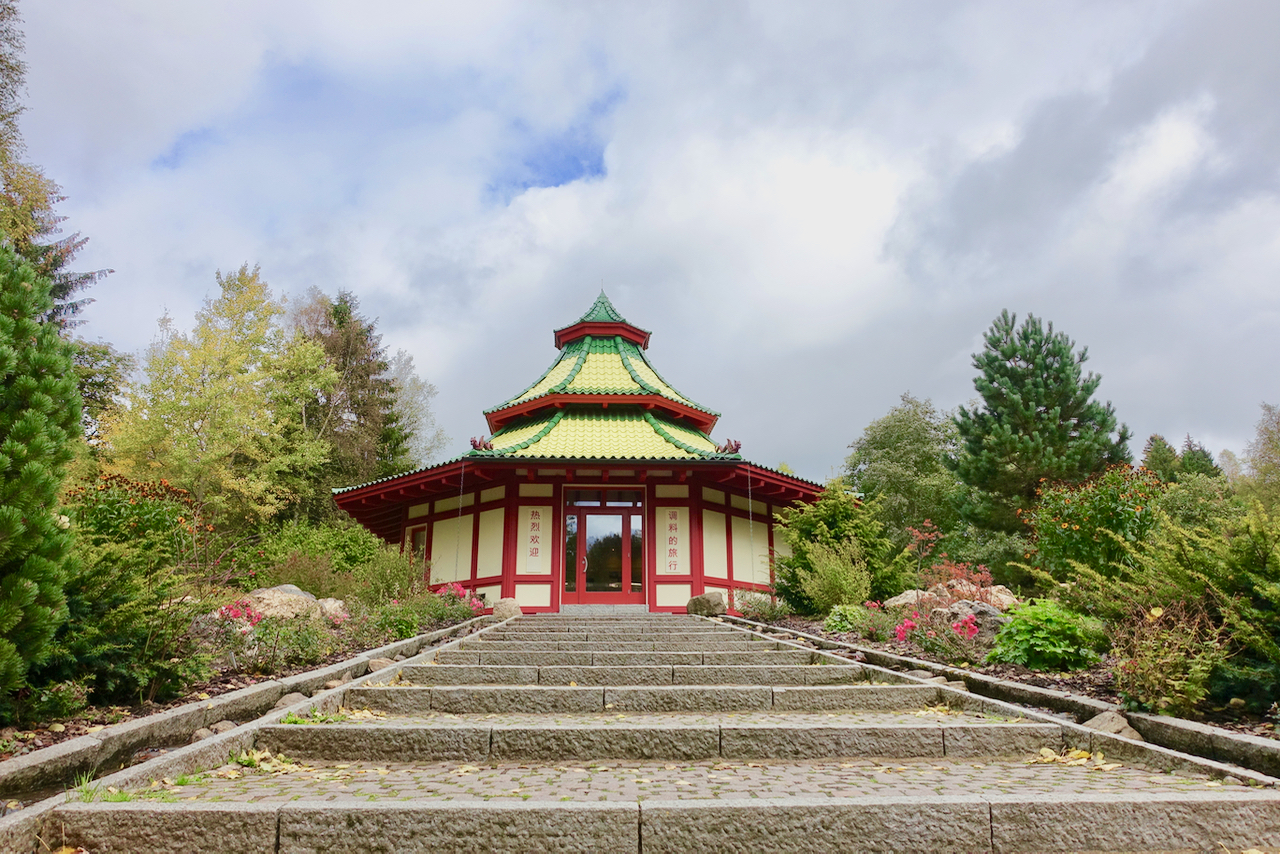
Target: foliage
column 219, row 412
column 376, row 417
column 1091, row 523
column 1262, row 461
column 1201, row 501
column 1043, row 635
column 1001, row 551
column 1162, row 460
column 1166, row 657
column 39, row 415
column 101, row 371
column 135, row 593
column 406, row 618
column 868, row 620
column 279, row 643
column 837, row 517
column 900, row 460
column 761, row 607
column 1037, row 423
column 322, row 559
column 837, row 576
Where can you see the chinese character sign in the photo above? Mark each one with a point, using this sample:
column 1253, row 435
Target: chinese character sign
column 534, row 557
column 673, row 540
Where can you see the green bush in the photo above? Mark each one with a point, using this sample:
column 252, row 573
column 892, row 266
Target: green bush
column 389, row 575
column 760, row 607
column 1043, row 635
column 132, row 597
column 1166, row 658
column 872, row 623
column 320, row 558
column 836, row 518
column 280, row 643
column 837, row 575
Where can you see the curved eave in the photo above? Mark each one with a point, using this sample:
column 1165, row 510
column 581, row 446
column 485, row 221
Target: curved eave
column 701, row 420
column 602, row 329
column 380, row 504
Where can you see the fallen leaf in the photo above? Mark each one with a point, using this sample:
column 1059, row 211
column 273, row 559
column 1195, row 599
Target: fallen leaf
column 202, row 696
column 57, row 728
column 95, row 728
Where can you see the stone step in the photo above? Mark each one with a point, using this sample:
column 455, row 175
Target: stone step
column 559, row 699
column 726, row 645
column 615, row 637
column 463, row 674
column 691, row 807
column 435, row 737
column 547, row 658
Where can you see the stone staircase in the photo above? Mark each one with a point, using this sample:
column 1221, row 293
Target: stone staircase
column 638, row 732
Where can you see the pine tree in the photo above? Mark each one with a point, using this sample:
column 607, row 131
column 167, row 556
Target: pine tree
column 1196, row 459
column 39, row 415
column 1037, row 423
column 1160, row 458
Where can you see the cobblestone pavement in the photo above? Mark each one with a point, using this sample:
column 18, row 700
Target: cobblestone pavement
column 631, row 781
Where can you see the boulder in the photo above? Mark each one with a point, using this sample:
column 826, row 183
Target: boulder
column 1113, row 723
column 201, row 734
column 222, row 726
column 710, row 604
column 332, row 608
column 507, row 608
column 917, row 599
column 987, row 618
column 285, row 601
column 380, row 664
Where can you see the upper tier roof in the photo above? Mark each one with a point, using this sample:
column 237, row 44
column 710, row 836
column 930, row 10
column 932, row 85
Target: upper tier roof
column 601, row 361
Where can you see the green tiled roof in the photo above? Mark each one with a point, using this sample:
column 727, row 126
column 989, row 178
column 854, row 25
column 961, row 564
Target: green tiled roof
column 602, row 311
column 587, row 432
column 592, row 365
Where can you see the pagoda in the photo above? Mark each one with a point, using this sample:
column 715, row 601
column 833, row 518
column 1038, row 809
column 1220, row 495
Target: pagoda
column 599, row 486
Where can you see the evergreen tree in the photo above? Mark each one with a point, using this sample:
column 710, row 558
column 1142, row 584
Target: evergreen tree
column 1161, row 458
column 377, row 418
column 1037, row 423
column 39, row 415
column 1196, row 459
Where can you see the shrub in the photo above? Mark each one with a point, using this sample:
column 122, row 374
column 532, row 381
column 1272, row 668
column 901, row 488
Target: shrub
column 837, row 575
column 279, row 643
column 868, row 620
column 1043, row 635
column 837, row 517
column 1166, row 657
column 319, row 558
column 1090, row 523
column 134, row 595
column 760, row 607
column 389, row 575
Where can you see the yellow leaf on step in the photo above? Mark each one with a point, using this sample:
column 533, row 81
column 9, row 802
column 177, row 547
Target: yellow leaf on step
column 573, row 684
column 1048, row 754
column 202, row 696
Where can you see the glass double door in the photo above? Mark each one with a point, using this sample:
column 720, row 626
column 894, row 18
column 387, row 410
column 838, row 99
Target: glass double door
column 603, row 546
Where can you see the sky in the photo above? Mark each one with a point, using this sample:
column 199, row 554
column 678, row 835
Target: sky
column 815, row 206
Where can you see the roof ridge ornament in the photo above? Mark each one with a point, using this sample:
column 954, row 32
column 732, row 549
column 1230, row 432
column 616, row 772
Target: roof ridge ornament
column 730, row 446
column 481, row 444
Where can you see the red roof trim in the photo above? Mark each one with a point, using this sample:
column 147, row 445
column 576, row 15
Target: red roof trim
column 601, row 329
column 703, row 421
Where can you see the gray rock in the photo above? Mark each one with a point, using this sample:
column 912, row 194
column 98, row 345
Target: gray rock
column 921, row 674
column 1113, row 723
column 289, row 700
column 708, row 604
column 399, row 658
column 333, row 683
column 285, row 601
column 380, row 663
column 332, row 608
column 222, row 726
column 291, row 589
column 201, row 734
column 507, row 608
column 988, row 618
